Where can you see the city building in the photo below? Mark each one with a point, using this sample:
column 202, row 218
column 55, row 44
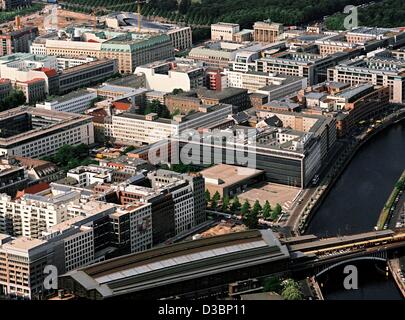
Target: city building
column 350, row 105
column 13, row 176
column 223, row 31
column 17, row 40
column 34, row 90
column 68, row 62
column 274, row 85
column 376, row 71
column 300, row 64
column 135, row 129
column 74, row 102
column 165, row 76
column 92, row 174
column 34, row 132
column 219, row 54
column 129, row 49
column 40, row 171
column 229, row 180
column 181, row 37
column 180, row 269
column 5, row 88
column 22, row 264
column 26, row 69
column 86, row 74
column 290, row 147
column 195, row 99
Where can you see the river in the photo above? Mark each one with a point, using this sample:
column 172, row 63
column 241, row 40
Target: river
column 355, row 201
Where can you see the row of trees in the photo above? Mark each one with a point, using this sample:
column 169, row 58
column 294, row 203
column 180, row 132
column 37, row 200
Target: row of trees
column 205, row 12
column 386, row 13
column 250, row 214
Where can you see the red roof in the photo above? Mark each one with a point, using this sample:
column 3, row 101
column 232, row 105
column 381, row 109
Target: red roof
column 36, row 188
column 121, row 105
column 48, row 71
column 94, row 41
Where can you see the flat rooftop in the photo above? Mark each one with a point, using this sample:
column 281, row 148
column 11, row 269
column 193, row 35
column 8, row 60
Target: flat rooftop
column 226, row 175
column 57, row 121
column 23, row 243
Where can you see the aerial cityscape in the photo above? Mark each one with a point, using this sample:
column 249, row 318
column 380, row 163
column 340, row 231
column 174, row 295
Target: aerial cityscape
column 193, row 150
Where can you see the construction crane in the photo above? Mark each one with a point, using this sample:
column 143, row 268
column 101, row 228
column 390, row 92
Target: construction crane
column 139, row 4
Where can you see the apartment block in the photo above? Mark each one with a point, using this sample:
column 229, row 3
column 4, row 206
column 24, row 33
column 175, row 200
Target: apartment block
column 309, row 65
column 18, row 40
column 13, row 176
column 376, row 71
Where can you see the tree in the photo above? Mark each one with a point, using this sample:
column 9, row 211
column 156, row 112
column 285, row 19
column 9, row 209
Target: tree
column 184, row 5
column 225, row 203
column 245, row 208
column 215, row 198
column 155, row 106
column 207, row 196
column 257, row 207
column 291, row 290
column 276, row 212
column 272, row 284
column 266, row 210
column 14, row 99
column 177, row 91
column 251, row 218
column 235, row 204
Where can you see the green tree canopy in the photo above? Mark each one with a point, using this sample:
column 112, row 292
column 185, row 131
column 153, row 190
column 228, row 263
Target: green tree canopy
column 266, row 210
column 245, row 208
column 235, row 204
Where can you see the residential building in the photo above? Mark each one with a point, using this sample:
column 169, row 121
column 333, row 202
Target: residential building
column 17, row 40
column 5, row 88
column 13, row 176
column 300, row 64
column 376, row 71
column 34, row 90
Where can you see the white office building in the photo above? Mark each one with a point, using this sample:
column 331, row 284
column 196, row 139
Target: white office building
column 75, row 102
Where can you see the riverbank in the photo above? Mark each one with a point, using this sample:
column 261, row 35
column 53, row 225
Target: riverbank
column 329, row 182
column 390, row 205
column 395, row 269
